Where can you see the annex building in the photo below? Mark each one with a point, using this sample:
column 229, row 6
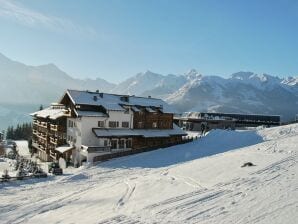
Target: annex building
column 205, row 121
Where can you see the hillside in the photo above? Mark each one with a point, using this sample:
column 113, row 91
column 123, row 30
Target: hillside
column 199, row 182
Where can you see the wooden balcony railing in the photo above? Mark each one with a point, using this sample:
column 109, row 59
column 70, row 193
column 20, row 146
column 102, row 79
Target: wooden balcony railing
column 56, row 127
column 99, row 149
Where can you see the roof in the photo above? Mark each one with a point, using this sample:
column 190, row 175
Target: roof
column 64, row 148
column 50, row 112
column 81, row 113
column 114, row 102
column 146, row 133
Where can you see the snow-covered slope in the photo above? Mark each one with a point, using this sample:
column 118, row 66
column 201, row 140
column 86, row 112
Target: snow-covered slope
column 188, row 183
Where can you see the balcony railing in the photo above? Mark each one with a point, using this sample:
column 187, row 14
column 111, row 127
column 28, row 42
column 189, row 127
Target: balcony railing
column 41, row 124
column 54, row 140
column 56, row 127
column 35, row 144
column 53, row 154
column 99, row 149
column 42, row 136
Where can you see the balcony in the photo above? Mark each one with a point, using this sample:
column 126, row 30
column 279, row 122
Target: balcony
column 42, row 136
column 42, row 124
column 35, row 144
column 42, row 148
column 94, row 149
column 56, row 127
column 56, row 141
column 53, row 154
column 53, row 140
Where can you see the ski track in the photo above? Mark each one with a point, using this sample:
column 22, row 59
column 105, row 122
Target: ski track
column 222, row 202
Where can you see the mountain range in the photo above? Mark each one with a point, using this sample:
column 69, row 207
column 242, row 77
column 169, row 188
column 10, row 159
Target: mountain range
column 23, row 88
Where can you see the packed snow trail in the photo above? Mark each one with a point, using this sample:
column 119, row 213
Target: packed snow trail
column 199, row 182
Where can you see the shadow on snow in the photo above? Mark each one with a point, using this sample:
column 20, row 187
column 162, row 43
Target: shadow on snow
column 217, row 141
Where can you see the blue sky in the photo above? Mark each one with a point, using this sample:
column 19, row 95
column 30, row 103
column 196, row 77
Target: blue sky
column 115, row 39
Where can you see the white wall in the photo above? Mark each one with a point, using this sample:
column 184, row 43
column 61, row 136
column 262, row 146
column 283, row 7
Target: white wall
column 120, row 116
column 82, row 131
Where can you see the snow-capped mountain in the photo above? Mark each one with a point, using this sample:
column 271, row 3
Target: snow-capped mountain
column 23, row 88
column 243, row 92
column 149, row 83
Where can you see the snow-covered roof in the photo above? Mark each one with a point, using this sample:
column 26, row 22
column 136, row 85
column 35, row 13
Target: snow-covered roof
column 64, row 148
column 81, row 113
column 51, row 113
column 146, row 133
column 115, row 102
column 102, row 132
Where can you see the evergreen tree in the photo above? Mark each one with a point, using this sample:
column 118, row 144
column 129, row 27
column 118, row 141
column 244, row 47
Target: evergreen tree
column 41, row 107
column 22, row 131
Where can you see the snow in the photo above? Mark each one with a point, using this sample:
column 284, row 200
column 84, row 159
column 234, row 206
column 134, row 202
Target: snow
column 64, row 148
column 198, row 182
column 113, row 102
column 52, row 113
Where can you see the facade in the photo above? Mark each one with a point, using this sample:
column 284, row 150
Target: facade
column 86, row 126
column 204, row 121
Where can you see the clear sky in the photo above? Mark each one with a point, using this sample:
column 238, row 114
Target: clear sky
column 115, row 39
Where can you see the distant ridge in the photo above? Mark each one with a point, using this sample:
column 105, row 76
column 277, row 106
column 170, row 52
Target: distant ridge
column 242, row 92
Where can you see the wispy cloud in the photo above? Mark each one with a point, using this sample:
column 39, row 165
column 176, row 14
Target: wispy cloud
column 28, row 17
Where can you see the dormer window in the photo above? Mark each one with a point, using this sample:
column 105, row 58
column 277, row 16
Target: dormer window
column 124, row 98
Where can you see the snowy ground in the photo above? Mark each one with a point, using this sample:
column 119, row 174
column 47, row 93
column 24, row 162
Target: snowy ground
column 199, row 182
column 8, row 164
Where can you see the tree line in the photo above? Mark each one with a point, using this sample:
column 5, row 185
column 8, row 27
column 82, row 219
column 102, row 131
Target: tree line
column 20, row 132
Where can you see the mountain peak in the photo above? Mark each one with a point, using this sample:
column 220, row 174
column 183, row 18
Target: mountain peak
column 193, row 74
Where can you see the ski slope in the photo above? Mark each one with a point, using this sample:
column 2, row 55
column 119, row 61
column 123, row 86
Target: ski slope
column 198, row 182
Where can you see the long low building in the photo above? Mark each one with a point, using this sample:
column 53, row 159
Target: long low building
column 204, row 121
column 84, row 125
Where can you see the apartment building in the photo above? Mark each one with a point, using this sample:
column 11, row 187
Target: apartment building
column 85, row 126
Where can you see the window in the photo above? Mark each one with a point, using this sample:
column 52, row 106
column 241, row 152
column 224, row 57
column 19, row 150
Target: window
column 125, row 124
column 70, row 123
column 101, row 124
column 128, row 143
column 154, row 125
column 121, row 144
column 140, row 124
column 105, row 143
column 113, row 124
column 113, row 144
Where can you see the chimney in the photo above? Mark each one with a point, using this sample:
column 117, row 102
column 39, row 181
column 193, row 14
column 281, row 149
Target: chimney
column 97, row 91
